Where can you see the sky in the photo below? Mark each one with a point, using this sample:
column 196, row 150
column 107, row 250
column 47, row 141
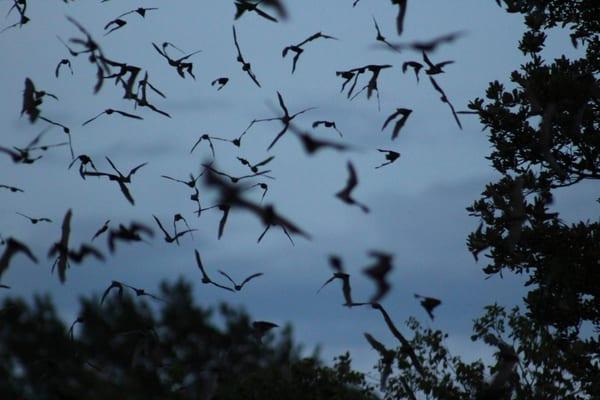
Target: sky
column 417, row 204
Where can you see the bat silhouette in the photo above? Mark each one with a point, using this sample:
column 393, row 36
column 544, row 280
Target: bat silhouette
column 428, row 303
column 62, row 248
column 434, row 69
column 346, row 288
column 140, row 292
column 378, row 272
column 239, row 286
column 371, row 86
column 205, row 279
column 179, row 63
column 246, row 67
column 118, row 24
column 77, row 256
column 336, row 264
column 195, row 197
column 191, row 183
column 380, row 37
column 327, row 124
column 404, row 113
column 114, row 285
column 21, row 7
column 142, row 100
column 254, row 167
column 312, row 145
column 234, row 179
column 176, row 218
column 62, row 62
column 95, row 54
column 83, row 160
column 387, row 359
column 126, row 76
column 230, row 195
column 428, row 46
column 11, row 188
column 176, row 235
column 65, row 254
column 416, row 66
column 390, row 156
column 345, row 194
column 444, row 99
column 401, row 14
column 261, row 328
column 242, row 6
column 298, row 50
column 110, row 111
column 225, row 209
column 127, row 234
column 12, row 248
column 221, row 82
column 35, row 220
column 121, row 179
column 286, row 119
column 141, row 11
column 19, row 156
column 32, row 99
column 102, row 229
column 278, row 6
column 263, row 186
column 22, row 155
column 72, row 52
column 209, row 139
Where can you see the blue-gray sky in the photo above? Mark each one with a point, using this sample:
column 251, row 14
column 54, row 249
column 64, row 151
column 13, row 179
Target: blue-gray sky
column 418, row 203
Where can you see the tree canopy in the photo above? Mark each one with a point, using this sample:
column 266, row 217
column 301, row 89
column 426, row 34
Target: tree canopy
column 128, row 348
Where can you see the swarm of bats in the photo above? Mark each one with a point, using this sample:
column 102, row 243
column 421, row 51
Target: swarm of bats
column 232, row 189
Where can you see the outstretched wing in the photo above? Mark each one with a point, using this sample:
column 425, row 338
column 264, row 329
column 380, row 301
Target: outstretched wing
column 264, row 162
column 161, row 226
column 327, row 282
column 248, row 279
column 352, row 178
column 390, row 118
column 126, row 192
column 228, row 277
column 223, row 221
column 133, row 171
column 264, row 14
column 199, row 263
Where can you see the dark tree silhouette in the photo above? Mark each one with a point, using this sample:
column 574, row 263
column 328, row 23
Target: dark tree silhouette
column 128, row 349
column 543, row 128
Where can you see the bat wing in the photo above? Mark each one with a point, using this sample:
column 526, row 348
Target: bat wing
column 248, row 279
column 223, row 222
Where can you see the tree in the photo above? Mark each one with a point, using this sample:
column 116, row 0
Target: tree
column 560, row 260
column 128, row 349
column 544, row 132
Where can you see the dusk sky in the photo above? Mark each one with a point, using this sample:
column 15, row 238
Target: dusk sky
column 417, row 203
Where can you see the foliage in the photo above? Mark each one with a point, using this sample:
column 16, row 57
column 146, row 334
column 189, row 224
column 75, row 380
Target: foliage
column 544, row 133
column 549, row 367
column 543, row 128
column 128, row 349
